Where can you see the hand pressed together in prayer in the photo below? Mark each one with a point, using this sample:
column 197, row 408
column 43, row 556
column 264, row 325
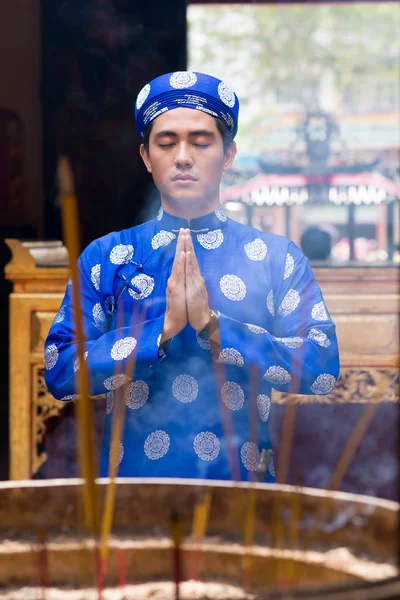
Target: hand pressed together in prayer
column 186, row 294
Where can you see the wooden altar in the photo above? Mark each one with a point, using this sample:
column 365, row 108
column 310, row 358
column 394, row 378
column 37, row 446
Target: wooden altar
column 364, row 301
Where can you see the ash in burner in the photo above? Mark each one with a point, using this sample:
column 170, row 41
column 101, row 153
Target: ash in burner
column 162, row 590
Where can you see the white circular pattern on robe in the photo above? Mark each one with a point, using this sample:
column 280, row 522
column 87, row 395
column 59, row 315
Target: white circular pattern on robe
column 116, row 381
column 110, row 402
column 256, row 328
column 159, row 340
column 289, row 266
column 206, row 445
column 182, row 79
column 70, row 397
column 160, row 213
column 95, row 276
column 320, row 337
column 226, row 94
column 220, row 214
column 60, row 316
column 137, row 394
column 270, row 303
column 142, row 96
column 185, row 388
column 99, row 318
column 123, row 348
column 319, row 312
column 256, row 250
column 264, row 406
column 289, row 303
column 250, row 456
column 163, row 238
column 205, row 344
column 77, row 362
column 323, row 384
column 120, row 455
column 277, row 375
column 232, row 395
column 232, row 287
column 211, row 240
column 291, row 342
column 50, row 357
column 157, row 444
column 121, row 254
column 144, row 283
column 230, row 356
column 110, row 304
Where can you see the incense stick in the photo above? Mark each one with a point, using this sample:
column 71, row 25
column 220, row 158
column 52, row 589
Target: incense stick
column 84, row 406
column 247, row 563
column 294, row 530
column 121, row 558
column 176, row 534
column 352, row 444
column 200, row 519
column 119, row 411
column 42, row 561
column 227, row 425
column 286, row 444
column 344, row 461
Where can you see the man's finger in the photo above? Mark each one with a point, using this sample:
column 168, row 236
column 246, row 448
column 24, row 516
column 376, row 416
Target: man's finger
column 180, row 246
column 189, row 243
column 179, row 270
column 188, row 266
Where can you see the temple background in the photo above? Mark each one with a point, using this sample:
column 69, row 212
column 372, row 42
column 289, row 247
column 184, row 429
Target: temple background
column 71, row 72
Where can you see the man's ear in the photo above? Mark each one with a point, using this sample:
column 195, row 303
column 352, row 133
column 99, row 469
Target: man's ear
column 229, row 156
column 145, row 157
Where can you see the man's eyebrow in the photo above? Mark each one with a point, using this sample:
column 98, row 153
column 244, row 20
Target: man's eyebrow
column 197, row 132
column 207, row 132
column 165, row 133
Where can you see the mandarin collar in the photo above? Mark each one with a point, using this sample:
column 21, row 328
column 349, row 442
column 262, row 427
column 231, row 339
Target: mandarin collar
column 210, row 222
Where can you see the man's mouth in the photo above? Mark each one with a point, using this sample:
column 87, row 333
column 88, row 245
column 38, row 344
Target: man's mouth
column 185, row 177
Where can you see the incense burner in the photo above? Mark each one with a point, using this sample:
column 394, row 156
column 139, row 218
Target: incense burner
column 302, row 539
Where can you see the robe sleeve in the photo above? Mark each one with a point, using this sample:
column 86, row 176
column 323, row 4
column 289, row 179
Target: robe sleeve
column 300, row 355
column 108, row 352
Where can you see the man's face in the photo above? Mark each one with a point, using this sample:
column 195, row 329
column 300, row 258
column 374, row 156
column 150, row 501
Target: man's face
column 186, row 157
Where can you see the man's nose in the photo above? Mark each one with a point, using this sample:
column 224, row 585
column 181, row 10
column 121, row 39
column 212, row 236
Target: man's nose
column 183, row 157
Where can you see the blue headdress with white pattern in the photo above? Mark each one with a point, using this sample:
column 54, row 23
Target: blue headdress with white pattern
column 190, row 90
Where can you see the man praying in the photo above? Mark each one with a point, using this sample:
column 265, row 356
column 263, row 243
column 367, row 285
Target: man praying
column 213, row 314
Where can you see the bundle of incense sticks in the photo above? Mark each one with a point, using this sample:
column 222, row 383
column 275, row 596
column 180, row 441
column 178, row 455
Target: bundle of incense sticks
column 87, row 446
column 119, row 412
column 84, row 405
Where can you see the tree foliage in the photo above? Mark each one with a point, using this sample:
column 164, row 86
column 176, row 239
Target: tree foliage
column 294, row 47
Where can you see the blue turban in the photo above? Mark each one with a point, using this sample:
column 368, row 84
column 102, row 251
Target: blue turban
column 190, row 90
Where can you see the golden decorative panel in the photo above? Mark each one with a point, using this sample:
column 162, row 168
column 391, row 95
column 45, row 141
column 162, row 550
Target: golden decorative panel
column 44, row 407
column 360, row 386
